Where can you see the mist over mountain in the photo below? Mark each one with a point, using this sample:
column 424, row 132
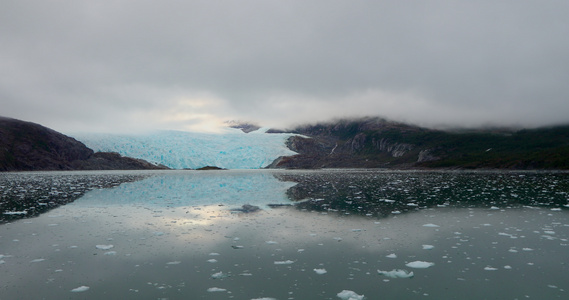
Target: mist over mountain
column 374, row 142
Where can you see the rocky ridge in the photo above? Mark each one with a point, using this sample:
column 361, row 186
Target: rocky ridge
column 26, row 146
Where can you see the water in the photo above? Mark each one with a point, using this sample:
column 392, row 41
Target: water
column 329, row 234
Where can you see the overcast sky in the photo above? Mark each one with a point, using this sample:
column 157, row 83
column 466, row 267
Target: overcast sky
column 121, row 65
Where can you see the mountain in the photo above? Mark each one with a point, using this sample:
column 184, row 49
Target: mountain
column 376, row 142
column 26, row 146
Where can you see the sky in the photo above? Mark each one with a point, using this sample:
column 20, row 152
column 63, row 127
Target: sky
column 124, row 65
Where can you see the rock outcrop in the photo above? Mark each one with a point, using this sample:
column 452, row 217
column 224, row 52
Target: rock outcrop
column 26, row 146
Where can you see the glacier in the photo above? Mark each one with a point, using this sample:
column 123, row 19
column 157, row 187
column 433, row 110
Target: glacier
column 230, row 149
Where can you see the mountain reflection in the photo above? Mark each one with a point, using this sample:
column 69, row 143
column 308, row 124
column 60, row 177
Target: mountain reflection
column 383, row 193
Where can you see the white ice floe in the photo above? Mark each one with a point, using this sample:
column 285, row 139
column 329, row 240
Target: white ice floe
column 349, row 295
column 392, row 255
column 111, row 253
column 215, row 289
column 490, row 268
column 37, row 260
column 428, row 247
column 264, row 298
column 177, row 262
column 396, row 273
column 284, row 262
column 213, row 260
column 104, row 247
column 214, row 254
column 320, row 271
column 431, row 225
column 420, row 264
column 219, row 275
column 82, row 288
column 271, row 242
column 527, row 249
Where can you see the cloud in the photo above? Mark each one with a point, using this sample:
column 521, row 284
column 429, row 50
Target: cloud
column 127, row 64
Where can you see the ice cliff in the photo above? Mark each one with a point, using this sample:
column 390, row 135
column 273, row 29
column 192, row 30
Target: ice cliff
column 230, row 149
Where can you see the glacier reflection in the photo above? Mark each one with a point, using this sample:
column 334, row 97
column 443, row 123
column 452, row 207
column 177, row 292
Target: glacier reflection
column 232, row 188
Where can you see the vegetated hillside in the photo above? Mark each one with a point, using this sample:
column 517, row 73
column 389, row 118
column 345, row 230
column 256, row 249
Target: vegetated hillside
column 26, row 146
column 376, row 142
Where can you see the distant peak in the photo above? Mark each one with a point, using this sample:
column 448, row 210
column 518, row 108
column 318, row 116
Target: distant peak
column 243, row 125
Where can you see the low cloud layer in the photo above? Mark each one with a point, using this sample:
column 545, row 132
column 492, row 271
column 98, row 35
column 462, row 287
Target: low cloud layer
column 125, row 65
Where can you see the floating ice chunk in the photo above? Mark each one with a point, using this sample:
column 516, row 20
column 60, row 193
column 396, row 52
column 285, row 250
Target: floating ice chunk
column 549, row 232
column 320, row 271
column 271, row 242
column 213, row 260
column 508, row 267
column 214, row 254
column 215, row 289
column 490, row 269
column 80, row 289
column 111, row 253
column 392, row 255
column 23, row 212
column 431, row 225
column 420, row 264
column 219, row 275
column 396, row 273
column 176, row 262
column 349, row 295
column 356, row 230
column 556, row 209
column 284, row 262
column 104, row 247
column 494, row 208
column 527, row 249
column 37, row 260
column 264, row 298
column 428, row 247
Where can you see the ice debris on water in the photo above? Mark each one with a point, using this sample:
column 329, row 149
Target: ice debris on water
column 431, row 225
column 213, row 260
column 264, row 298
column 82, row 288
column 177, row 262
column 392, row 255
column 37, row 260
column 428, row 247
column 104, row 247
column 349, row 295
column 490, row 268
column 396, row 273
column 320, row 271
column 284, row 262
column 420, row 264
column 215, row 289
column 219, row 275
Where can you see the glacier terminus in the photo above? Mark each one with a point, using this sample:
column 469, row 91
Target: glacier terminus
column 229, row 149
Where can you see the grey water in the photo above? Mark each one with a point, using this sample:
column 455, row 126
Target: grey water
column 284, row 234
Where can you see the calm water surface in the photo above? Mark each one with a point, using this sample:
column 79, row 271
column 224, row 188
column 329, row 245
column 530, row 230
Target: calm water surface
column 331, row 234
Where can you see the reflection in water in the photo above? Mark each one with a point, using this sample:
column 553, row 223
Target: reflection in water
column 385, row 193
column 28, row 194
column 167, row 236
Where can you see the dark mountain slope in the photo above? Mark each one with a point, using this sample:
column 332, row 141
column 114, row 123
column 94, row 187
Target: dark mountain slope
column 375, row 142
column 26, row 146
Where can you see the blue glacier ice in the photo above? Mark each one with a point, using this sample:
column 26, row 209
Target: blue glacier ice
column 230, row 149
